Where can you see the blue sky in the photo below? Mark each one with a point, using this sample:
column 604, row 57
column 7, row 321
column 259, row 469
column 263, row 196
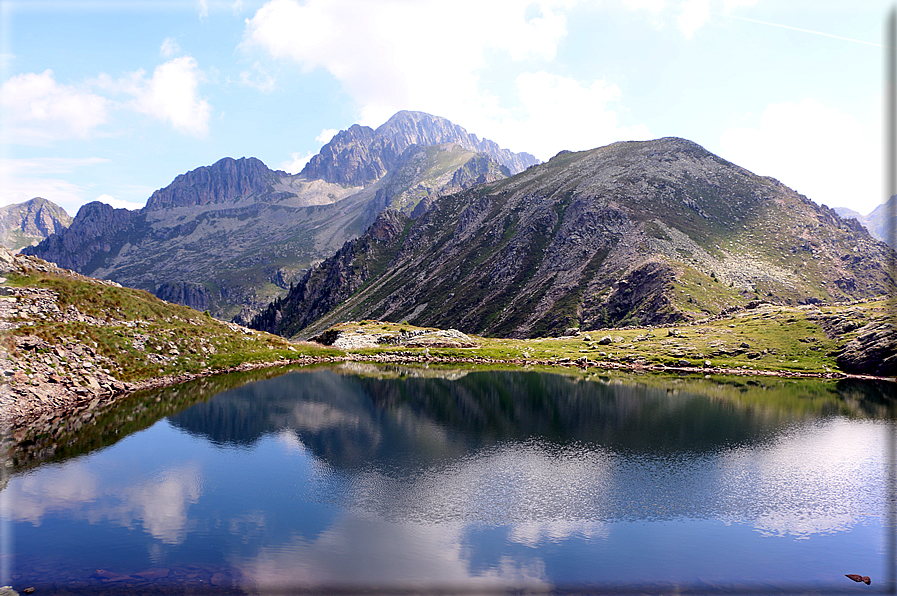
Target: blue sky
column 111, row 99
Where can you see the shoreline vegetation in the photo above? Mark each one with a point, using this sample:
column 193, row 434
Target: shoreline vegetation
column 72, row 344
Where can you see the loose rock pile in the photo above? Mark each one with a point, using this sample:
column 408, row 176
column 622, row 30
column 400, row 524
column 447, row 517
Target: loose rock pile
column 357, row 339
column 37, row 376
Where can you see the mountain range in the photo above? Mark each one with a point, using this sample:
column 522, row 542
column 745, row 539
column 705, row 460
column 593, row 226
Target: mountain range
column 233, row 236
column 28, row 223
column 879, row 222
column 640, row 233
column 419, row 220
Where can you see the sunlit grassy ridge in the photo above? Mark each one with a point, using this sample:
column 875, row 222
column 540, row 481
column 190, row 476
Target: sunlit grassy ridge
column 144, row 336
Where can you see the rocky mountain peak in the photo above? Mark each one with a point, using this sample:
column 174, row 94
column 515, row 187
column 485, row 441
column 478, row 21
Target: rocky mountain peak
column 30, row 222
column 361, row 155
column 353, row 157
column 222, row 181
column 93, row 231
column 407, row 128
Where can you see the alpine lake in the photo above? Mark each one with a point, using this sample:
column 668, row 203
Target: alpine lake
column 361, row 478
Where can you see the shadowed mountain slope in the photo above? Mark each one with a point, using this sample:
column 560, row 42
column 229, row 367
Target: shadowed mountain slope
column 632, row 233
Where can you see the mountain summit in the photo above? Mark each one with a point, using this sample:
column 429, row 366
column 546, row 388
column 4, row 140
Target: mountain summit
column 362, row 155
column 644, row 233
column 232, row 236
column 28, row 223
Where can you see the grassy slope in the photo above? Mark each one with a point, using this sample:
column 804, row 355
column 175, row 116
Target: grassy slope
column 778, row 338
column 148, row 338
column 175, row 339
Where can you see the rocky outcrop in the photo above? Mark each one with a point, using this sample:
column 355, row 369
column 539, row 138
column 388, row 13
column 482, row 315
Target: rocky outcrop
column 28, row 223
column 408, row 128
column 222, row 181
column 356, row 157
column 419, row 338
column 362, row 155
column 634, row 233
column 187, row 293
column 96, row 230
column 873, row 351
column 880, row 222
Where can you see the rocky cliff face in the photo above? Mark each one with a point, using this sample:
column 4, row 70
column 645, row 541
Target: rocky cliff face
column 194, row 295
column 356, row 156
column 408, row 128
column 362, row 155
column 220, row 182
column 28, row 223
column 96, row 230
column 632, row 233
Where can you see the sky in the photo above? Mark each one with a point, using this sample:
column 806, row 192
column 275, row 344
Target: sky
column 112, row 99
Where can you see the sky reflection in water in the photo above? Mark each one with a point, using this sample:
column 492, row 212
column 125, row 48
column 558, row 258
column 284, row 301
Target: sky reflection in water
column 485, row 480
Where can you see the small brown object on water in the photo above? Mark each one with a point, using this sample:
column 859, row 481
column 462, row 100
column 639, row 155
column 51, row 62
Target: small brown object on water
column 859, row 578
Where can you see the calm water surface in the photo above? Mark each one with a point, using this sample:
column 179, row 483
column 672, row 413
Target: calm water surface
column 358, row 478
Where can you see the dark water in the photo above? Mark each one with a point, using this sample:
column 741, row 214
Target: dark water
column 360, row 479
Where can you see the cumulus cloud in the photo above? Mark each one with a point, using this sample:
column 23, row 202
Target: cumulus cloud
column 686, row 15
column 562, row 113
column 694, row 13
column 808, row 146
column 296, row 162
column 118, row 204
column 391, row 55
column 172, row 95
column 37, row 110
column 430, row 56
column 326, row 135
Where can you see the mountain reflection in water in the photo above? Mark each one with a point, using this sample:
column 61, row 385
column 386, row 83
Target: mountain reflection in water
column 421, row 479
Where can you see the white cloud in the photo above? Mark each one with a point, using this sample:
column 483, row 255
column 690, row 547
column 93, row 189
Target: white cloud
column 561, row 113
column 203, row 9
column 394, row 55
column 326, row 135
column 257, row 78
column 24, row 179
column 169, row 48
column 172, row 95
column 429, row 55
column 117, row 204
column 37, row 110
column 819, row 151
column 296, row 162
column 694, row 13
column 687, row 15
column 649, row 5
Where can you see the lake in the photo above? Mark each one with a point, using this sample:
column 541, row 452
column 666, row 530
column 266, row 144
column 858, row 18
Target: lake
column 361, row 478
